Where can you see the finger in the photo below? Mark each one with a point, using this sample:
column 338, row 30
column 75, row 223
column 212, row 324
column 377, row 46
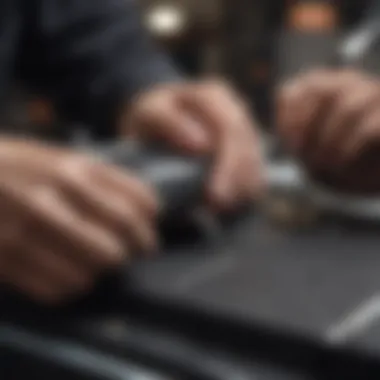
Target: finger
column 56, row 271
column 288, row 98
column 365, row 134
column 46, row 211
column 300, row 104
column 250, row 177
column 90, row 242
column 228, row 125
column 223, row 181
column 76, row 176
column 119, row 216
column 35, row 287
column 129, row 188
column 240, row 175
column 57, row 268
column 351, row 102
column 313, row 104
column 101, row 198
column 249, row 169
column 32, row 284
column 250, row 181
column 166, row 121
column 239, row 164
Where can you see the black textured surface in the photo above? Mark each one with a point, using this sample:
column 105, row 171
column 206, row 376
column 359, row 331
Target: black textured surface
column 299, row 283
column 308, row 282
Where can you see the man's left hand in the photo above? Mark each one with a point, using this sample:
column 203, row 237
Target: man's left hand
column 204, row 118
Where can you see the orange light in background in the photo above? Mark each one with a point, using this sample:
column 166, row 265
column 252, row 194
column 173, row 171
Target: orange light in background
column 312, row 17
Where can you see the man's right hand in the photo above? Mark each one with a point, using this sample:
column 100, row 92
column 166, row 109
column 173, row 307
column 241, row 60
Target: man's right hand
column 65, row 219
column 330, row 120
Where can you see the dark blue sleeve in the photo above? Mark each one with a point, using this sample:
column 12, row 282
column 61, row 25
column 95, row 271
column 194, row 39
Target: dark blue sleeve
column 90, row 56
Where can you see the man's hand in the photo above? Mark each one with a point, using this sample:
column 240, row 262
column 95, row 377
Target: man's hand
column 331, row 121
column 65, row 219
column 204, row 118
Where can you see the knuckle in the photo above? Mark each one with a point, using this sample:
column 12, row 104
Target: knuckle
column 72, row 171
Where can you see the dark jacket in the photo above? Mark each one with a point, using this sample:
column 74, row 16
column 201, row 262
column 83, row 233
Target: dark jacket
column 88, row 55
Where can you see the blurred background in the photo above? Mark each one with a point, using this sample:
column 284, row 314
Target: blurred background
column 253, row 43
